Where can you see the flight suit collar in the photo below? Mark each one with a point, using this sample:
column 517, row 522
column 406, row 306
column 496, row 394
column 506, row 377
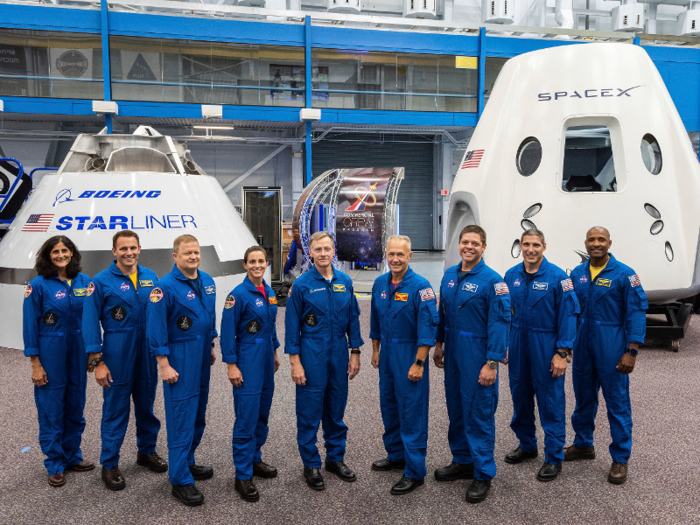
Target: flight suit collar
column 317, row 275
column 177, row 273
column 252, row 288
column 542, row 269
column 406, row 278
column 611, row 266
column 474, row 271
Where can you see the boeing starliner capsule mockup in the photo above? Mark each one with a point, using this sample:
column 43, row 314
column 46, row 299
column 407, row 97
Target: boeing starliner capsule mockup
column 577, row 136
column 144, row 182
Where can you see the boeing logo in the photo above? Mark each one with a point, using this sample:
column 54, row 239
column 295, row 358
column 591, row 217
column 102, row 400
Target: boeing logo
column 586, row 93
column 65, row 195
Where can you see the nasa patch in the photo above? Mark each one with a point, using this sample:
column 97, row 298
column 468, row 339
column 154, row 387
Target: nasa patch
column 230, row 302
column 451, row 284
column 210, row 290
column 517, row 283
column 184, row 323
column 28, row 291
column 124, row 287
column 311, row 319
column 253, row 327
column 583, row 279
column 50, row 319
column 61, row 294
column 156, row 295
column 272, row 300
column 383, row 295
column 259, row 303
column 90, row 289
column 191, row 295
column 542, row 287
column 118, row 313
column 470, row 287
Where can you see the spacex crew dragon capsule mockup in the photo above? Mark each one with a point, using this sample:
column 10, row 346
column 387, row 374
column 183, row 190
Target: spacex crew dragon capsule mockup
column 579, row 136
column 144, row 182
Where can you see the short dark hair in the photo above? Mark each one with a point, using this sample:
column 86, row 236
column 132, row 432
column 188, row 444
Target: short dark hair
column 46, row 268
column 533, row 232
column 473, row 228
column 124, row 233
column 253, row 249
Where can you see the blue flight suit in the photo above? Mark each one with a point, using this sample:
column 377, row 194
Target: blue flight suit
column 474, row 324
column 613, row 315
column 404, row 318
column 544, row 319
column 249, row 339
column 320, row 318
column 122, row 311
column 52, row 323
column 182, row 326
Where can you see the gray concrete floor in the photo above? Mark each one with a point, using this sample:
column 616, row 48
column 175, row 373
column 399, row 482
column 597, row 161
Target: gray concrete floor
column 664, row 475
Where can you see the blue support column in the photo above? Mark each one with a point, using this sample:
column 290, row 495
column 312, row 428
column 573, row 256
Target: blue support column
column 481, row 83
column 637, row 41
column 307, row 93
column 106, row 74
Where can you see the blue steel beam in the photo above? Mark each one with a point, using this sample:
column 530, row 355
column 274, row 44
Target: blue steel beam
column 106, row 70
column 308, row 97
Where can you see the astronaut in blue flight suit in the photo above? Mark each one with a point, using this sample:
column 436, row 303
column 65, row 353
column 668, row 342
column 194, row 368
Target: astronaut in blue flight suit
column 402, row 328
column 611, row 327
column 543, row 330
column 181, row 329
column 249, row 348
column 474, row 323
column 322, row 320
column 53, row 309
column 122, row 362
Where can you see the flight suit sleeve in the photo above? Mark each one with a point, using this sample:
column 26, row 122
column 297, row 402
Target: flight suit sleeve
column 440, row 337
column 31, row 310
column 354, row 332
column 214, row 332
column 498, row 329
column 636, row 305
column 567, row 314
column 157, row 317
column 275, row 341
column 92, row 312
column 375, row 330
column 292, row 326
column 229, row 322
column 427, row 317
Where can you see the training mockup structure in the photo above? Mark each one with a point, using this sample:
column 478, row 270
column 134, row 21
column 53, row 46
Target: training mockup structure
column 144, row 182
column 578, row 136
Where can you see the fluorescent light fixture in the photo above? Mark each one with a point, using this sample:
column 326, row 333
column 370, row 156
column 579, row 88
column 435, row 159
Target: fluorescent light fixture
column 213, row 127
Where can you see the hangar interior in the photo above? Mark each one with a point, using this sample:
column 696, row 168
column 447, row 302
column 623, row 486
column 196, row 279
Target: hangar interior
column 398, row 83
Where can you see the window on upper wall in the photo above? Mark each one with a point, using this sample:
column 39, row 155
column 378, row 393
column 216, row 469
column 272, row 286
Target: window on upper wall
column 50, row 64
column 588, row 160
column 358, row 79
column 493, row 69
column 199, row 72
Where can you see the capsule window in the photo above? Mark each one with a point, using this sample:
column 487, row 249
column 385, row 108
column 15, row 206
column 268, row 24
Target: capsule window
column 588, row 160
column 651, row 154
column 529, row 156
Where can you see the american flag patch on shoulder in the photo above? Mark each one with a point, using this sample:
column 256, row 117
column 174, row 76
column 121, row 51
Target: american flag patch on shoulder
column 567, row 285
column 501, row 288
column 634, row 280
column 427, row 294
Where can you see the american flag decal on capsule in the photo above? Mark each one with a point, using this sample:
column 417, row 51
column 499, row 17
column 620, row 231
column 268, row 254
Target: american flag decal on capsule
column 38, row 222
column 472, row 158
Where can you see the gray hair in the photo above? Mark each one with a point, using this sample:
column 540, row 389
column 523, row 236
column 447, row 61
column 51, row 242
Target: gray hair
column 534, row 232
column 400, row 238
column 320, row 235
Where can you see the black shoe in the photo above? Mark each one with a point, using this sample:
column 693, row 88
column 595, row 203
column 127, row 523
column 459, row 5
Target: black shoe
column 247, row 489
column 113, row 478
column 385, row 464
column 478, row 490
column 263, row 470
column 519, row 455
column 548, row 472
column 313, row 478
column 188, row 494
column 200, row 472
column 406, row 485
column 153, row 462
column 341, row 470
column 455, row 471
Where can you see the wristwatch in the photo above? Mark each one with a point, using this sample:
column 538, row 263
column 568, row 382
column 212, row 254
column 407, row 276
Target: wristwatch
column 419, row 362
column 96, row 361
column 632, row 351
column 492, row 364
column 562, row 354
column 356, row 351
